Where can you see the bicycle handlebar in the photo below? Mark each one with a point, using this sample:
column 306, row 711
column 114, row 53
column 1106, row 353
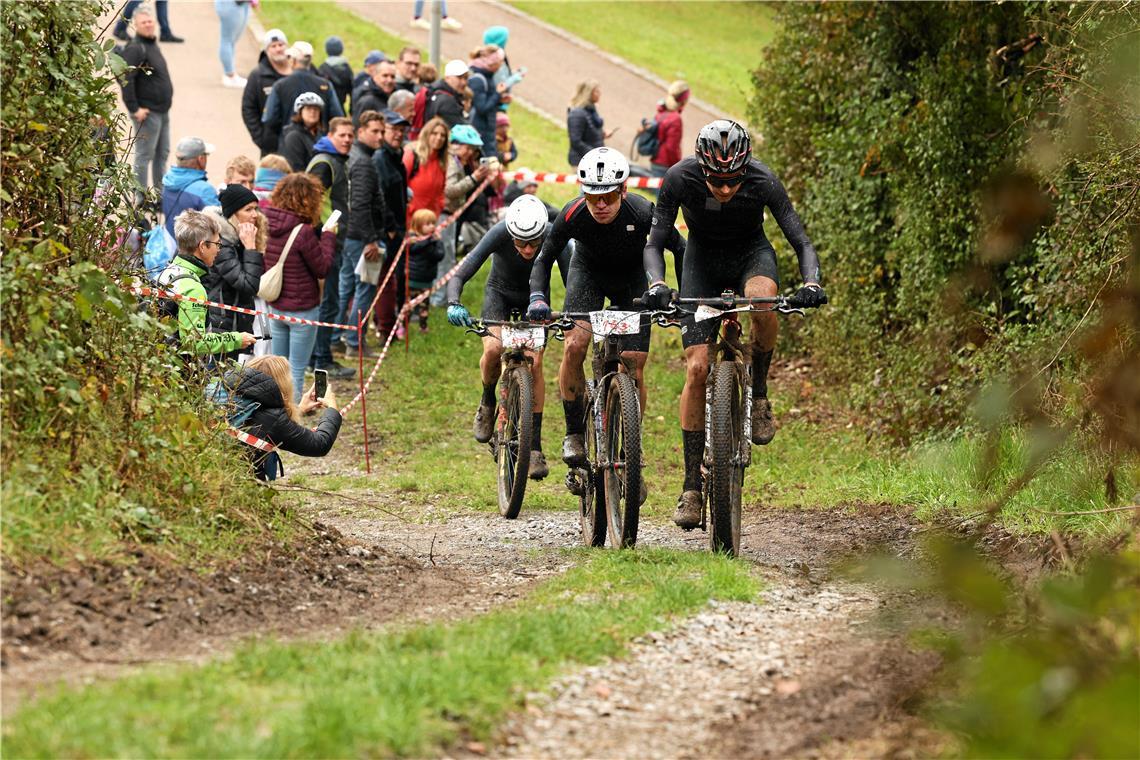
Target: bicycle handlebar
column 729, row 301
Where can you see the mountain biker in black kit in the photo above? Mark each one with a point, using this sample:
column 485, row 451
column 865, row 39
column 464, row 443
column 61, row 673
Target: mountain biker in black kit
column 610, row 229
column 512, row 246
column 722, row 192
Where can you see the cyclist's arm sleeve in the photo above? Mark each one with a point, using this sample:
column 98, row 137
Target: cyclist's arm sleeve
column 662, row 234
column 472, row 262
column 551, row 249
column 793, row 229
column 564, row 255
column 676, row 244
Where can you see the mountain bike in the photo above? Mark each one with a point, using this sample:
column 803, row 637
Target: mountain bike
column 510, row 444
column 728, row 407
column 609, row 485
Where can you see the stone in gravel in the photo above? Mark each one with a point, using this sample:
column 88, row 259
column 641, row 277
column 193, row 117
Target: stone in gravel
column 602, row 689
column 787, row 687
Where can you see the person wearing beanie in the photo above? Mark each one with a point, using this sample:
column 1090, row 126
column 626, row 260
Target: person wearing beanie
column 337, row 70
column 669, row 128
column 272, row 65
column 235, row 275
column 499, row 35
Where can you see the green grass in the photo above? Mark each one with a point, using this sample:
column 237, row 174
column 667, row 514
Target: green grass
column 713, row 45
column 540, row 144
column 404, row 692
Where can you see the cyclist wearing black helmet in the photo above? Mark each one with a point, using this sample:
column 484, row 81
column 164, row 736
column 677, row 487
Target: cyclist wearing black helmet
column 609, row 228
column 512, row 246
column 722, row 192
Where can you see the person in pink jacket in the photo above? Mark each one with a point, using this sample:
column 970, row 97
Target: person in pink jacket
column 296, row 203
column 669, row 128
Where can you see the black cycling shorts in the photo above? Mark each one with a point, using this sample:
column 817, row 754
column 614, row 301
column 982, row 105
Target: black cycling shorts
column 587, row 290
column 501, row 305
column 712, row 268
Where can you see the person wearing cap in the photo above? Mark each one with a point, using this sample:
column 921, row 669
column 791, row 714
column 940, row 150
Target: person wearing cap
column 233, row 15
column 336, row 69
column 372, row 94
column 389, row 162
column 235, row 275
column 446, row 97
column 465, row 172
column 185, row 185
column 272, row 65
column 279, row 107
column 371, row 61
column 301, row 135
column 148, row 94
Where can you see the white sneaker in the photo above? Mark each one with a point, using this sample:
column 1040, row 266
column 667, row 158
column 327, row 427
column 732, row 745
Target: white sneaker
column 235, row 82
column 421, row 23
column 451, row 24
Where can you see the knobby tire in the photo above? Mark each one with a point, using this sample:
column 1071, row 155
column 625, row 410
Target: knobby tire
column 515, row 431
column 622, row 440
column 726, row 478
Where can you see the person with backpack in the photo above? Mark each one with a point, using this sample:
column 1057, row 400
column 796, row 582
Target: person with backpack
column 300, row 136
column 337, row 70
column 235, row 275
column 660, row 139
column 199, row 239
column 186, row 185
column 330, row 166
column 148, row 94
column 445, row 97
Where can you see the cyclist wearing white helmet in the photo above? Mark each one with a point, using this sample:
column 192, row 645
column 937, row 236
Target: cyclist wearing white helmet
column 722, row 192
column 609, row 228
column 512, row 246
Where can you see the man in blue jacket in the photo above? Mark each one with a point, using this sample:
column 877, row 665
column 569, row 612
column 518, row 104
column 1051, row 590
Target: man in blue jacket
column 185, row 186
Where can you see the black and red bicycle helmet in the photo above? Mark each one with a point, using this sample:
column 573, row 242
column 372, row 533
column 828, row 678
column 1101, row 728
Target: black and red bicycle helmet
column 723, row 149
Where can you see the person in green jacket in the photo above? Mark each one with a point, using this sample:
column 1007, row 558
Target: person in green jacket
column 199, row 238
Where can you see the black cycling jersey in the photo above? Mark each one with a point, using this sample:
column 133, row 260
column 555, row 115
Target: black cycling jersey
column 510, row 273
column 615, row 247
column 721, row 225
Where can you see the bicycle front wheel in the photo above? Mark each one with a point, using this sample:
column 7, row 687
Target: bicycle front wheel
column 514, row 437
column 621, row 460
column 726, row 471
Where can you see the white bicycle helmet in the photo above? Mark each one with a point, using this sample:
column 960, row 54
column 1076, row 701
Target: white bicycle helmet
column 307, row 99
column 526, row 218
column 602, row 170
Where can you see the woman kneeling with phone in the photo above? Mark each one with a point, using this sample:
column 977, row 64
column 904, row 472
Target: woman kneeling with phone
column 267, row 381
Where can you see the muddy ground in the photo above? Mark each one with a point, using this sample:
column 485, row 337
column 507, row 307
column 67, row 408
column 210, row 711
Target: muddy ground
column 809, row 671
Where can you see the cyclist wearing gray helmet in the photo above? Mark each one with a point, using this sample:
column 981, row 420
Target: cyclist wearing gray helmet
column 722, row 192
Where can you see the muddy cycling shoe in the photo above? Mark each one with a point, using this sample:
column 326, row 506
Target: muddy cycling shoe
column 538, row 469
column 688, row 514
column 574, row 449
column 763, row 426
column 484, row 423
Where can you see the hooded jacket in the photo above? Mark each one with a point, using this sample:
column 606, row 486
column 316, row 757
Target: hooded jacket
column 235, row 276
column 258, row 85
column 337, row 70
column 184, row 188
column 446, row 103
column 146, row 83
column 309, row 259
column 331, row 168
column 297, row 146
column 367, row 211
column 272, row 423
column 669, row 130
column 584, row 126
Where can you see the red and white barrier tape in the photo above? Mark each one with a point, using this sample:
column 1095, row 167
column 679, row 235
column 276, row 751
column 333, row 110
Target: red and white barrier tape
column 572, row 179
column 144, row 290
column 251, row 440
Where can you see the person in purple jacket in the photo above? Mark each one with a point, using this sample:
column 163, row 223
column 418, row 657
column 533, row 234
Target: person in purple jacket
column 296, row 202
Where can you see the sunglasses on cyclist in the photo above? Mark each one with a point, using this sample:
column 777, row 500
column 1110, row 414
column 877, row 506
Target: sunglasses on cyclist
column 724, row 180
column 527, row 245
column 610, row 198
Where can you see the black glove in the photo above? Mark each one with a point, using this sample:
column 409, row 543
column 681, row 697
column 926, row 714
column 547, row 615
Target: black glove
column 659, row 297
column 809, row 297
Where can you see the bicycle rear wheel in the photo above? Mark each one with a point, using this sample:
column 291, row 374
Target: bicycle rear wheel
column 592, row 500
column 726, row 473
column 514, row 434
column 621, row 460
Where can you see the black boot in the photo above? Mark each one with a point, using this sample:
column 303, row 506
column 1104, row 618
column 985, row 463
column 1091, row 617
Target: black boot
column 763, row 426
column 688, row 515
column 574, row 445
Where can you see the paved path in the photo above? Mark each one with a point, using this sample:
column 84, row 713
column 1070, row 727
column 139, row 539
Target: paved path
column 555, row 61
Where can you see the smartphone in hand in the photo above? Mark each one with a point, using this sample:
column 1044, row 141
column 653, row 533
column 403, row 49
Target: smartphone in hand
column 321, row 385
column 334, row 217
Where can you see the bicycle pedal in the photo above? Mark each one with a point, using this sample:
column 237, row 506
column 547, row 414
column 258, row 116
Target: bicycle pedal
column 576, row 482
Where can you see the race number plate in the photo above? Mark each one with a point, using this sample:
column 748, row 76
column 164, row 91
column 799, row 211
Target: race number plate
column 530, row 338
column 610, row 322
column 706, row 312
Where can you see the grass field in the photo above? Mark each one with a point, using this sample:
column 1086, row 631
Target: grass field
column 406, row 692
column 675, row 40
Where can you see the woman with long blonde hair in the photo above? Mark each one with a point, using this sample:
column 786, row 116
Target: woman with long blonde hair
column 584, row 124
column 267, row 381
column 426, row 163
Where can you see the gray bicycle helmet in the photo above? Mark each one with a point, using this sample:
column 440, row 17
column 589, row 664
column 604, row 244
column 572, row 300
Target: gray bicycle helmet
column 307, row 99
column 723, row 149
